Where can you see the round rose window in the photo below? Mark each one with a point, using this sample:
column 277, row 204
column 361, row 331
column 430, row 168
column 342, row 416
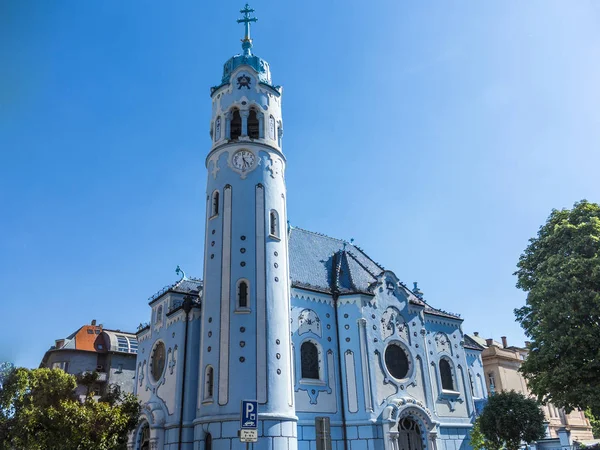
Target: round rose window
column 396, row 361
column 158, row 361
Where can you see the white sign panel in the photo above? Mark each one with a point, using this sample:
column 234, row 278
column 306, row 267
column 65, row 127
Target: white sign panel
column 249, row 435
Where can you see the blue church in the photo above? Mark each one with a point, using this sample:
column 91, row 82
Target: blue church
column 336, row 350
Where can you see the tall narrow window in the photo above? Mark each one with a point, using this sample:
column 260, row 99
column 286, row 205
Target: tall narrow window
column 472, row 384
column 218, row 129
column 159, row 315
column 272, row 127
column 253, row 125
column 208, row 442
column 446, row 375
column 492, row 381
column 309, row 360
column 208, row 383
column 274, row 223
column 215, row 204
column 242, row 294
column 236, row 124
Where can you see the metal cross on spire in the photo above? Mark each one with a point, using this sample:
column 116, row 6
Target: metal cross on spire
column 247, row 42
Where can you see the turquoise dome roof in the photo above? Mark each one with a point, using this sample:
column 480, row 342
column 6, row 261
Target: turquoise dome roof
column 258, row 64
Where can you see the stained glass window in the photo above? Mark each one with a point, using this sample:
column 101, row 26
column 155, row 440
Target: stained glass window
column 309, row 356
column 396, row 361
column 158, row 361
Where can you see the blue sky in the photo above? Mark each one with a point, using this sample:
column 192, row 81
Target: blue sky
column 438, row 135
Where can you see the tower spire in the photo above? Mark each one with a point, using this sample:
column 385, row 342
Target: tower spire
column 246, row 19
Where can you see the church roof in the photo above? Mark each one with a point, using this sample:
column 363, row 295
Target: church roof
column 317, row 260
column 185, row 285
column 472, row 344
column 325, row 264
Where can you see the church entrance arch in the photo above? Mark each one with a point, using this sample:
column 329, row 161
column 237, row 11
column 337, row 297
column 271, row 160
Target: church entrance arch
column 408, row 425
column 409, row 435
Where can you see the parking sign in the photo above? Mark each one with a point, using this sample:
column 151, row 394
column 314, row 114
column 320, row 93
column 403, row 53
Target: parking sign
column 249, row 414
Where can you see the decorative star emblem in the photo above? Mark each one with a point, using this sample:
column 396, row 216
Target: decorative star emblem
column 243, row 81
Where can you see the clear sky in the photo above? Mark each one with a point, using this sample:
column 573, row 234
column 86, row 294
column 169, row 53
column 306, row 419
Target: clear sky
column 437, row 134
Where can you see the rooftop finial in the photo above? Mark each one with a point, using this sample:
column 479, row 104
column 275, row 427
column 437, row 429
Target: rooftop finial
column 247, row 42
column 179, row 271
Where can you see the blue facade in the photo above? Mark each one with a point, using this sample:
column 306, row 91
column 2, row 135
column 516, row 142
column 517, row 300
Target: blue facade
column 308, row 325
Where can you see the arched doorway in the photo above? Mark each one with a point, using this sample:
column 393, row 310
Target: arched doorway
column 409, row 435
column 145, row 437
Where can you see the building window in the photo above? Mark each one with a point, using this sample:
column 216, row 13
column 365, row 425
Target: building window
column 62, row 365
column 208, row 442
column 446, row 375
column 396, row 361
column 272, row 127
column 208, row 383
column 309, row 361
column 253, row 125
column 472, row 384
column 90, row 331
column 159, row 315
column 215, row 204
column 236, row 124
column 145, row 437
column 158, row 360
column 492, row 381
column 218, row 129
column 274, row 224
column 242, row 295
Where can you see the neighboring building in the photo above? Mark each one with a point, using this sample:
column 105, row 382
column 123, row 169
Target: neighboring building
column 337, row 351
column 111, row 353
column 501, row 364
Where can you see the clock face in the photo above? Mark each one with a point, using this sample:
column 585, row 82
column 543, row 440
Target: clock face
column 243, row 160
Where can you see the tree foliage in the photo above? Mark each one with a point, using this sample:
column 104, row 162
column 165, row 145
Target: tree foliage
column 560, row 271
column 39, row 411
column 594, row 422
column 509, row 418
column 478, row 440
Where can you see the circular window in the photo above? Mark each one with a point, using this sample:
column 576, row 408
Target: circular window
column 396, row 361
column 158, row 361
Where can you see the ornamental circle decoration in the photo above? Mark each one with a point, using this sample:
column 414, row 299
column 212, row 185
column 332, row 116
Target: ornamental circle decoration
column 397, row 361
column 158, row 361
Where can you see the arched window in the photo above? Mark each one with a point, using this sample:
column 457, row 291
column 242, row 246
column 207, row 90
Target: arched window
column 272, row 127
column 159, row 315
column 218, row 129
column 446, row 375
column 145, row 437
column 274, row 223
column 253, row 125
column 309, row 360
column 208, row 442
column 472, row 384
column 236, row 124
column 215, row 204
column 242, row 294
column 208, row 383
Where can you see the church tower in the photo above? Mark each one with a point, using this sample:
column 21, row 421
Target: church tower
column 245, row 348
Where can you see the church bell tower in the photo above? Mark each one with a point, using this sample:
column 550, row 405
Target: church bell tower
column 245, row 348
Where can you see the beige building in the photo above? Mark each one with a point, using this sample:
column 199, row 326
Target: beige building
column 501, row 364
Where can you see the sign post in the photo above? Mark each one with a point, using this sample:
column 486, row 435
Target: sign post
column 249, row 421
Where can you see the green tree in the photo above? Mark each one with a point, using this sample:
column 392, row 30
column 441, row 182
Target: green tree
column 39, row 411
column 478, row 440
column 510, row 418
column 560, row 271
column 594, row 422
